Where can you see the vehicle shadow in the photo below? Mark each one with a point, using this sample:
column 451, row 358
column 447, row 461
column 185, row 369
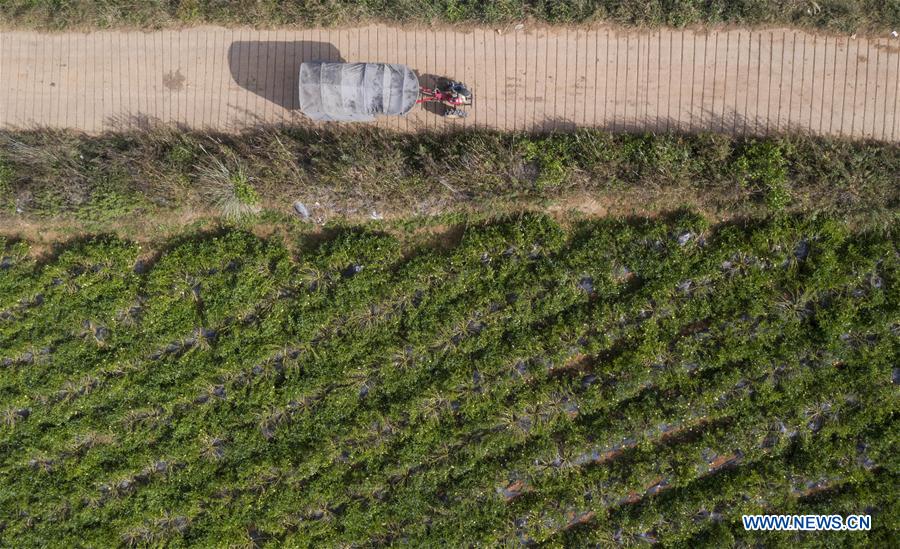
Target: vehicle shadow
column 271, row 69
column 433, row 81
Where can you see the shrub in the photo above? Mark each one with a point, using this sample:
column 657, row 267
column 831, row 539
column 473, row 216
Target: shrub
column 762, row 167
column 551, row 158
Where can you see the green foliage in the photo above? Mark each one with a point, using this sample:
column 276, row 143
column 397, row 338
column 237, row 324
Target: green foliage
column 110, row 199
column 617, row 381
column 6, row 186
column 244, row 191
column 762, row 167
column 551, row 158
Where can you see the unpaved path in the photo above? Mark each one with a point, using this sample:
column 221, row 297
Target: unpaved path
column 736, row 81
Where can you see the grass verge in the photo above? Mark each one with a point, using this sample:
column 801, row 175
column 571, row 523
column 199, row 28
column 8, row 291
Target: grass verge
column 141, row 181
column 834, row 15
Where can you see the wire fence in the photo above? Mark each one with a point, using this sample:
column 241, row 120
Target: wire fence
column 736, row 81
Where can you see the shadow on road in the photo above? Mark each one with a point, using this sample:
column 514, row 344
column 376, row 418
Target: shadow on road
column 271, row 69
column 434, row 81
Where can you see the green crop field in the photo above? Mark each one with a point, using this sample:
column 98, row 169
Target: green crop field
column 518, row 382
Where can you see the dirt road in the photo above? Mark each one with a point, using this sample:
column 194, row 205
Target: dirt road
column 736, row 81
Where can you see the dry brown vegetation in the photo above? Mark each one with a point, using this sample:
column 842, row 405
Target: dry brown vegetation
column 836, row 15
column 147, row 185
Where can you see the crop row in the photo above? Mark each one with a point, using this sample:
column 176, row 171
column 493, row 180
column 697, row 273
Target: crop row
column 532, row 383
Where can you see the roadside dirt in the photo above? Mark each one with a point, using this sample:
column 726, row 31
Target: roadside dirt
column 742, row 81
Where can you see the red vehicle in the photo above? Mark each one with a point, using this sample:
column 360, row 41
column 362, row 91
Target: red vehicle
column 453, row 96
column 358, row 92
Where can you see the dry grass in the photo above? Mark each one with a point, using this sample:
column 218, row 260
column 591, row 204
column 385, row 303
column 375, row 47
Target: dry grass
column 224, row 183
column 836, row 15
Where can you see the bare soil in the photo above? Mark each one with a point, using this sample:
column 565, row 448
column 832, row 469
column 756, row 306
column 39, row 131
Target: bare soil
column 741, row 81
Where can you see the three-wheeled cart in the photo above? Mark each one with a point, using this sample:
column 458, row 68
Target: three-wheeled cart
column 358, row 92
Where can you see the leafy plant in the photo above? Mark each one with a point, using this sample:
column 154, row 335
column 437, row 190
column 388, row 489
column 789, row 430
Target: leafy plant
column 551, row 158
column 762, row 167
column 616, row 380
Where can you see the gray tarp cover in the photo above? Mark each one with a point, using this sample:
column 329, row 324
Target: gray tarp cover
column 355, row 92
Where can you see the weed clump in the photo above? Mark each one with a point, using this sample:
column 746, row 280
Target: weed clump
column 226, row 185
